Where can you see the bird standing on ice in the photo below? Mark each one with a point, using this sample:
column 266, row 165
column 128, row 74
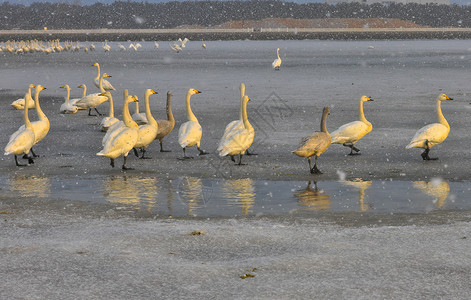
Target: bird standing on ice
column 277, row 62
column 190, row 132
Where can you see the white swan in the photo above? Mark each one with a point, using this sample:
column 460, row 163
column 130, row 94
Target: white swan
column 190, row 132
column 93, row 100
column 315, row 144
column 20, row 103
column 121, row 47
column 277, row 62
column 106, row 84
column 238, row 141
column 239, row 124
column 166, row 126
column 433, row 134
column 42, row 126
column 22, row 140
column 138, row 117
column 107, row 122
column 147, row 132
column 352, row 132
column 67, row 107
column 112, row 129
column 106, row 47
column 124, row 140
column 75, row 100
column 156, row 45
column 175, row 47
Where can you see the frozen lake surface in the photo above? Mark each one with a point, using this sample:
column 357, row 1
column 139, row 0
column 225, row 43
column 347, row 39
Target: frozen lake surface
column 384, row 224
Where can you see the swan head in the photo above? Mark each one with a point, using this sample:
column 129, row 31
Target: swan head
column 193, row 91
column 82, row 86
column 150, row 92
column 169, row 94
column 326, row 110
column 443, row 97
column 95, row 65
column 366, row 98
column 31, row 86
column 40, row 87
column 106, row 94
column 105, row 75
column 65, row 86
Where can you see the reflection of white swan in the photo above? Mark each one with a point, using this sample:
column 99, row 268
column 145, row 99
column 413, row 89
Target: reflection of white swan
column 436, row 188
column 106, row 84
column 190, row 190
column 352, row 132
column 132, row 191
column 166, row 126
column 432, row 134
column 147, row 132
column 22, row 140
column 315, row 144
column 30, row 186
column 20, row 103
column 190, row 132
column 238, row 141
column 124, row 140
column 241, row 192
column 67, row 107
column 362, row 186
column 107, row 122
column 277, row 62
column 313, row 199
column 94, row 100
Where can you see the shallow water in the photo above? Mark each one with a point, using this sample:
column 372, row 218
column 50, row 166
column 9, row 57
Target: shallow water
column 208, row 197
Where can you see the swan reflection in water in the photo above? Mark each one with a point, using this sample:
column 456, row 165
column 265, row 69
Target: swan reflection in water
column 313, row 198
column 362, row 185
column 132, row 191
column 193, row 193
column 31, row 186
column 240, row 192
column 437, row 188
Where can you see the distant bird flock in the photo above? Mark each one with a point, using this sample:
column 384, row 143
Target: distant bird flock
column 136, row 132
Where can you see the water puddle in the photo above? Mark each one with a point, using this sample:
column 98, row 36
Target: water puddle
column 206, row 197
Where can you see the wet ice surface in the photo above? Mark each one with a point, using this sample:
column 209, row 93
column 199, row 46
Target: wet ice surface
column 74, row 227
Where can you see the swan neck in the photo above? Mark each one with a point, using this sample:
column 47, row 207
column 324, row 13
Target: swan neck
column 242, row 94
column 98, row 71
column 361, row 113
column 25, row 116
column 84, row 91
column 244, row 115
column 324, row 122
column 440, row 116
column 150, row 118
column 101, row 85
column 41, row 115
column 189, row 112
column 111, row 115
column 278, row 53
column 137, row 107
column 68, row 95
column 169, row 109
column 126, row 115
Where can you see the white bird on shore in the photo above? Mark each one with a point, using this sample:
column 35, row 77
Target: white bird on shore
column 124, row 139
column 175, row 47
column 277, row 62
column 156, row 45
column 166, row 126
column 238, row 124
column 107, row 122
column 352, row 132
column 67, row 107
column 106, row 47
column 147, row 132
column 107, row 86
column 238, row 141
column 315, row 144
column 22, row 140
column 93, row 100
column 121, row 47
column 432, row 134
column 190, row 132
column 19, row 104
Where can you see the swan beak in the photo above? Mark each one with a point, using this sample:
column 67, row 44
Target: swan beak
column 135, row 99
column 369, row 99
column 63, row 87
column 154, row 92
column 107, row 75
column 198, row 92
column 450, row 98
column 102, row 94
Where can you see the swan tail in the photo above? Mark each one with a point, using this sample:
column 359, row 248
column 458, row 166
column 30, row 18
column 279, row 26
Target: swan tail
column 101, row 153
column 419, row 144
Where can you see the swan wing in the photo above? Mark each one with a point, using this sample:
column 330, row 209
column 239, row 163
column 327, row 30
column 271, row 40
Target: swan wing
column 20, row 104
column 237, row 143
column 189, row 134
column 276, row 63
column 20, row 142
column 107, row 86
column 147, row 134
column 107, row 122
column 164, row 128
column 315, row 144
column 350, row 133
column 434, row 133
column 140, row 118
column 121, row 143
column 112, row 131
column 68, row 108
column 91, row 101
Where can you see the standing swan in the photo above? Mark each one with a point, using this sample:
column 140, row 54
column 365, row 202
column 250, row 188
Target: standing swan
column 433, row 134
column 93, row 100
column 238, row 141
column 67, row 107
column 147, row 132
column 315, row 144
column 277, row 62
column 106, row 84
column 351, row 133
column 75, row 100
column 166, row 126
column 190, row 132
column 107, row 122
column 20, row 103
column 40, row 127
column 23, row 139
column 124, row 140
column 238, row 124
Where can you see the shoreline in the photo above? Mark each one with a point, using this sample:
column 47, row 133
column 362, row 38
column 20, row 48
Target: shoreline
column 241, row 34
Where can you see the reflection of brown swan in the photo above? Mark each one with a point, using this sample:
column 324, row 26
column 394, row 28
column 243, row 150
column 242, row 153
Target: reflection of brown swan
column 313, row 199
column 362, row 186
column 31, row 186
column 132, row 190
column 240, row 192
column 435, row 188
